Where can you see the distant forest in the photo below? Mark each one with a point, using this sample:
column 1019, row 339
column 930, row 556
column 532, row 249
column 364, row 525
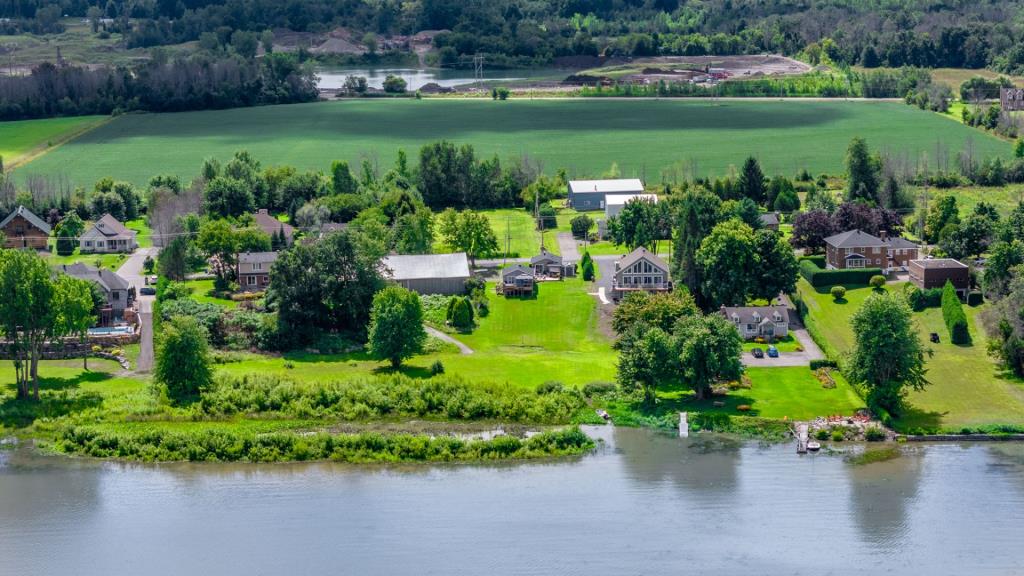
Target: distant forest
column 872, row 33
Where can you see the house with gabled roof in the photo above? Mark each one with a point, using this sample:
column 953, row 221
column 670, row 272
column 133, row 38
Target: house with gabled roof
column 551, row 265
column 107, row 235
column 119, row 293
column 768, row 322
column 253, row 270
column 517, row 280
column 640, row 270
column 272, row 226
column 23, row 229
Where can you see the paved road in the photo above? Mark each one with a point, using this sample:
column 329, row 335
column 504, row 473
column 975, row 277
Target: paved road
column 463, row 349
column 132, row 271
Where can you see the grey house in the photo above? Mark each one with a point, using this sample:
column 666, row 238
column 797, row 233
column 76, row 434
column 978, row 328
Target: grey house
column 254, row 270
column 752, row 321
column 120, row 295
column 429, row 273
column 517, row 280
column 551, row 265
column 592, row 194
column 640, row 270
column 107, row 235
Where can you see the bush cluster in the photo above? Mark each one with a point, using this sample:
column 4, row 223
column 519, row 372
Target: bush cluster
column 975, row 298
column 818, row 276
column 823, row 363
column 954, row 316
column 157, row 445
column 921, row 299
column 442, row 397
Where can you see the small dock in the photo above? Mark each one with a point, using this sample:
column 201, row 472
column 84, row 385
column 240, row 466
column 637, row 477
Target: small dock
column 801, row 438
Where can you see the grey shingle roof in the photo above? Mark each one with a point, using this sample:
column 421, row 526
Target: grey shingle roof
column 419, row 266
column 109, row 227
column 639, row 253
column 27, row 215
column 107, row 279
column 546, row 256
column 769, row 219
column 516, row 270
column 257, row 257
column 899, row 242
column 854, row 239
column 746, row 313
column 272, row 225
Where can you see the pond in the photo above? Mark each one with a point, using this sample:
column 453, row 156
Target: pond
column 332, row 78
column 644, row 503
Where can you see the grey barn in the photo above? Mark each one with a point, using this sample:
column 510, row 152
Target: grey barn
column 591, row 194
column 429, row 273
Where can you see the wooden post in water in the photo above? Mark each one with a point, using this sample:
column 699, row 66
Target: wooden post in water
column 684, row 426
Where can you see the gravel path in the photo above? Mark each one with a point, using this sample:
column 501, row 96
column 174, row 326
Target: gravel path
column 463, row 349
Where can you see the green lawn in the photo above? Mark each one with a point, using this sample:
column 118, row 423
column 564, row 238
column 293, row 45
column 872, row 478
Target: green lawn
column 110, row 261
column 787, row 344
column 515, row 224
column 1004, row 198
column 522, row 342
column 646, row 138
column 202, row 292
column 967, row 388
column 25, row 136
column 145, row 235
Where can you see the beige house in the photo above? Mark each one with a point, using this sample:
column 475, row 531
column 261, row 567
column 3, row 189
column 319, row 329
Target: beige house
column 107, row 235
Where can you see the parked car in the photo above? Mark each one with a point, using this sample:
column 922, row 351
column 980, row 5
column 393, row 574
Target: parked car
column 757, row 353
column 147, row 291
column 773, row 352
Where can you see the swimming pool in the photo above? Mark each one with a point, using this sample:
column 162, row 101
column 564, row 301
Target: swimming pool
column 110, row 330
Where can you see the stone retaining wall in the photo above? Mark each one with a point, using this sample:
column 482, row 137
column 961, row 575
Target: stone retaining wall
column 75, row 348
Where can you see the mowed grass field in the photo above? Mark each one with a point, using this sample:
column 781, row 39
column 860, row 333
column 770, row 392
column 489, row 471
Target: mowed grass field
column 24, row 136
column 647, row 138
column 967, row 387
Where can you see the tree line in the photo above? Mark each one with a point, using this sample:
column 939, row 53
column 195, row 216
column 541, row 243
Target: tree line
column 949, row 33
column 198, row 82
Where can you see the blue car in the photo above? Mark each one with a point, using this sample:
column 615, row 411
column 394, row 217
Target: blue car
column 773, row 352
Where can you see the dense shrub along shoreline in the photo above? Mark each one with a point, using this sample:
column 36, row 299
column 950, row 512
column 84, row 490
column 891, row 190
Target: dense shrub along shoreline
column 156, row 445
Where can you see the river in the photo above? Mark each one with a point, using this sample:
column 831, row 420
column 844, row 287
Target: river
column 642, row 504
column 332, row 78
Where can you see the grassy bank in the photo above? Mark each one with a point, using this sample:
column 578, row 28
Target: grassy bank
column 647, row 138
column 967, row 389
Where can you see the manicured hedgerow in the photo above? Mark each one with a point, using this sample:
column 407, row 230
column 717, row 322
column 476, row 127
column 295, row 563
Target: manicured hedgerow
column 208, row 445
column 954, row 316
column 820, row 277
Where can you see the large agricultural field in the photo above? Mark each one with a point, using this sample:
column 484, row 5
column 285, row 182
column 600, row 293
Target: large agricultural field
column 23, row 137
column 652, row 139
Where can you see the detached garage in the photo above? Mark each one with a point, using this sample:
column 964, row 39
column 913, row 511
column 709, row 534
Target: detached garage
column 429, row 273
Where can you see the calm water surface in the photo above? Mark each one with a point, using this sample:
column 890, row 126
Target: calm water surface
column 643, row 504
column 331, row 78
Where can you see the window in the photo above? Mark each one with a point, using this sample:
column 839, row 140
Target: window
column 116, row 295
column 257, row 266
column 88, row 243
column 877, row 261
column 252, row 280
column 855, row 263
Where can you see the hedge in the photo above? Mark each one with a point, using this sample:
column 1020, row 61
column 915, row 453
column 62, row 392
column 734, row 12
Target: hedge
column 921, row 299
column 817, row 259
column 818, row 277
column 823, row 363
column 953, row 314
column 974, row 298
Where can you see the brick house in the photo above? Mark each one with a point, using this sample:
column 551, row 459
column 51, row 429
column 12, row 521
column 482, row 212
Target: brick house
column 933, row 273
column 23, row 229
column 856, row 249
column 253, row 270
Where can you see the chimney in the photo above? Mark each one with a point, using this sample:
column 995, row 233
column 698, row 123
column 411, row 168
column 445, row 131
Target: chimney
column 883, row 234
column 262, row 211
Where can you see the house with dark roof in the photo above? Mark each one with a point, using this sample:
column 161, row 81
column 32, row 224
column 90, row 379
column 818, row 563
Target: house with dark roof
column 272, row 226
column 253, row 270
column 770, row 221
column 120, row 295
column 429, row 273
column 857, row 249
column 768, row 322
column 107, row 235
column 592, row 194
column 640, row 270
column 935, row 272
column 551, row 265
column 23, row 229
column 517, row 280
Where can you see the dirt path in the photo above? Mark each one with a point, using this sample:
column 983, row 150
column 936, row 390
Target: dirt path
column 463, row 349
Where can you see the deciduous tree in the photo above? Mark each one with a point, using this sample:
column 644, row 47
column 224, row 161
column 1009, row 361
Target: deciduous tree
column 183, row 358
column 396, row 325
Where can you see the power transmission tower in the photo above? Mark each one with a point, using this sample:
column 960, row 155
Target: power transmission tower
column 478, row 68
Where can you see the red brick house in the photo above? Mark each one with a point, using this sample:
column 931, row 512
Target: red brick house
column 856, row 249
column 23, row 229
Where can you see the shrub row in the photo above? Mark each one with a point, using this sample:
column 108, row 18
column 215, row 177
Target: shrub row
column 954, row 316
column 765, row 428
column 155, row 445
column 921, row 299
column 817, row 259
column 447, row 397
column 820, row 277
column 823, row 363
